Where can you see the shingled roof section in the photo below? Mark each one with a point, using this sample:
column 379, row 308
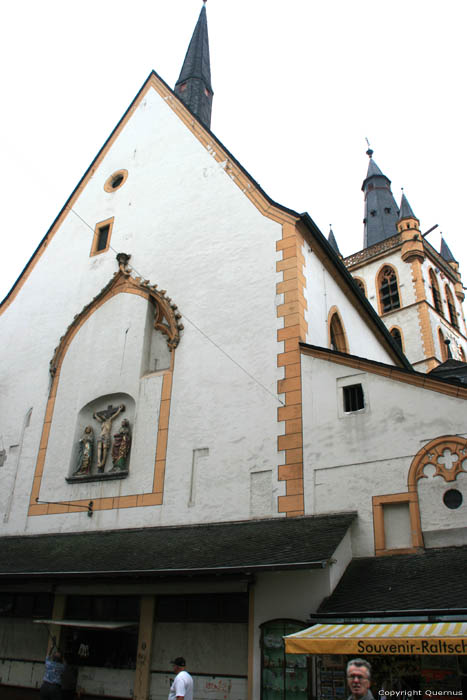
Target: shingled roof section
column 247, row 546
column 433, row 579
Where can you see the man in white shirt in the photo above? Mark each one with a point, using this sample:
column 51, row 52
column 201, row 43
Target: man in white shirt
column 182, row 686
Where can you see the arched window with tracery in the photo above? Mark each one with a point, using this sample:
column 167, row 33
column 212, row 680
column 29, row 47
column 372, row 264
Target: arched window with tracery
column 442, row 345
column 397, row 336
column 388, row 289
column 451, row 308
column 337, row 337
column 435, row 292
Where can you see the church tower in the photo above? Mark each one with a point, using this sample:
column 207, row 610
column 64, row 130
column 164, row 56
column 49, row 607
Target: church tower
column 416, row 290
column 193, row 86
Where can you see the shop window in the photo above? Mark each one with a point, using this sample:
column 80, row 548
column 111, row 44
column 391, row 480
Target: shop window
column 451, row 308
column 435, row 292
column 102, row 235
column 388, row 289
column 28, row 605
column 353, row 398
column 230, row 607
column 397, row 337
column 337, row 334
column 102, row 648
column 102, row 608
column 282, row 675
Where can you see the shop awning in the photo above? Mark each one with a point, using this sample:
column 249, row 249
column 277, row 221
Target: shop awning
column 89, row 624
column 439, row 638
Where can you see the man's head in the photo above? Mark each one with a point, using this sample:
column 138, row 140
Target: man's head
column 359, row 677
column 178, row 664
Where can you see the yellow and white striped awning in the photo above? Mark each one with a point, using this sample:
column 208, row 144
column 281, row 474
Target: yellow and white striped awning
column 439, row 638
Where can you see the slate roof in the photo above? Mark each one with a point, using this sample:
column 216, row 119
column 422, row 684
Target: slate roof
column 433, row 579
column 445, row 252
column 193, row 86
column 451, row 369
column 381, row 210
column 406, row 210
column 332, row 242
column 247, row 546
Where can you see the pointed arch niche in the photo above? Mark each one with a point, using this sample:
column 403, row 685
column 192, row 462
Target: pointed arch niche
column 124, row 338
column 337, row 337
column 417, row 516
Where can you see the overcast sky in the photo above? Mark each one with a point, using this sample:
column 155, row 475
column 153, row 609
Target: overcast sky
column 298, row 85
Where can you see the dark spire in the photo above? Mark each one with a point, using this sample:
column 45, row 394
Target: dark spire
column 381, row 210
column 406, row 210
column 332, row 241
column 194, row 84
column 446, row 253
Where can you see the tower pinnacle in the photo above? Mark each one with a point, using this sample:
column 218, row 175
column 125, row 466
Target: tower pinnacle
column 193, row 86
column 381, row 210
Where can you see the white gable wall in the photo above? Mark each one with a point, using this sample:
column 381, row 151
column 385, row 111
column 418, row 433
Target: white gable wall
column 191, row 230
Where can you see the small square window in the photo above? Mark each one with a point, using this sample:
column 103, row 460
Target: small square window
column 353, row 398
column 102, row 234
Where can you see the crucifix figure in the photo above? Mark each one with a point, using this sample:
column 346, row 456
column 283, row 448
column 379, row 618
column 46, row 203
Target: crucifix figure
column 105, row 418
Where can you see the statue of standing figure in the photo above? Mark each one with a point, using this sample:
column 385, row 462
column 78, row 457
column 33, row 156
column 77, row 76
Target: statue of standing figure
column 105, row 418
column 86, row 451
column 121, row 447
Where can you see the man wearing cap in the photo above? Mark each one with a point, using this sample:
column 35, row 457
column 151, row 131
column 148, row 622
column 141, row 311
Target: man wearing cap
column 182, row 686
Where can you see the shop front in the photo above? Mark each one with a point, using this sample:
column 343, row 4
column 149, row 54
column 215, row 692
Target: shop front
column 422, row 658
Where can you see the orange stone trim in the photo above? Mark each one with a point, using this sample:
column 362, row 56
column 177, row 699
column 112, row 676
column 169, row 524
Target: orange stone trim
column 426, row 330
column 378, row 522
column 334, row 311
column 292, row 311
column 95, row 240
column 430, row 454
column 121, row 283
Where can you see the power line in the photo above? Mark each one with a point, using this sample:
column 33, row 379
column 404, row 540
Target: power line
column 192, row 323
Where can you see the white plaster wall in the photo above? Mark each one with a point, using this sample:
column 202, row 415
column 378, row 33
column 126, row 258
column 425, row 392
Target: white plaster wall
column 322, row 293
column 441, row 524
column 192, row 231
column 348, row 458
column 409, row 323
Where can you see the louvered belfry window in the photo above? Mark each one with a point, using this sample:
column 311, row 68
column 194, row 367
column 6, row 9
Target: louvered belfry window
column 388, row 290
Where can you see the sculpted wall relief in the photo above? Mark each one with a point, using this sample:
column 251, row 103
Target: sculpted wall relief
column 103, row 449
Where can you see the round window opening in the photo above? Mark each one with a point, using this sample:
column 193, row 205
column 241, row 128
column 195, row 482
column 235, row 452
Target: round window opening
column 116, row 180
column 452, row 499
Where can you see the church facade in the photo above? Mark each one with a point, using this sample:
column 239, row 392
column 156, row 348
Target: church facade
column 207, row 424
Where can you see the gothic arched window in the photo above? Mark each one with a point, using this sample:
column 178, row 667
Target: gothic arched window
column 435, row 292
column 452, row 308
column 442, row 345
column 397, row 336
column 360, row 284
column 337, row 334
column 388, row 289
